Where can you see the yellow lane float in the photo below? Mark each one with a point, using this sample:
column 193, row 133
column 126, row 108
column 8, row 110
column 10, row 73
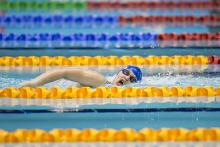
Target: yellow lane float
column 110, row 135
column 108, row 92
column 101, row 60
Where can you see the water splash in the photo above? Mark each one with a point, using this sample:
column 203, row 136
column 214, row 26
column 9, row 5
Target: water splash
column 14, row 78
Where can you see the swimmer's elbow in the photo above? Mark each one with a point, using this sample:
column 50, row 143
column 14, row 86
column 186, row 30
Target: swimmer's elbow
column 84, row 77
column 72, row 74
column 93, row 79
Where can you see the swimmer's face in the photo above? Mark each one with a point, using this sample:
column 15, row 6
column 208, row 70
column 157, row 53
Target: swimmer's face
column 124, row 77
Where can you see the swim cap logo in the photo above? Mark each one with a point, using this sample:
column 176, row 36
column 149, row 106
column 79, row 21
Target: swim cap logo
column 137, row 72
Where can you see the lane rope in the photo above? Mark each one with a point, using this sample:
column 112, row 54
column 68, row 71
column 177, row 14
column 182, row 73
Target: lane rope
column 21, row 20
column 105, row 40
column 68, row 5
column 172, row 5
column 110, row 135
column 107, row 60
column 108, row 92
column 105, row 37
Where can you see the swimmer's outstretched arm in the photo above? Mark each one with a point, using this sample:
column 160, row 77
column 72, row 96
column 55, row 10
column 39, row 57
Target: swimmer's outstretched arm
column 83, row 77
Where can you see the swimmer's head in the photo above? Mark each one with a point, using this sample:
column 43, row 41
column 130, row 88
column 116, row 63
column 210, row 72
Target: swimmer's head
column 130, row 74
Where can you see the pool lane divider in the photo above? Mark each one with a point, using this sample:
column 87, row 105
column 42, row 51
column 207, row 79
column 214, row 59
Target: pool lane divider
column 107, row 60
column 110, row 135
column 105, row 40
column 105, row 37
column 210, row 20
column 108, row 92
column 42, row 6
column 140, row 5
column 21, row 20
column 161, row 5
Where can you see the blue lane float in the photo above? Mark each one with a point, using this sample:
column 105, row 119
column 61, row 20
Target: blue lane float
column 78, row 40
column 58, row 19
column 109, row 19
column 79, row 37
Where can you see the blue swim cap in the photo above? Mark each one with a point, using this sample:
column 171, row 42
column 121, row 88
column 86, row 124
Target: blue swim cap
column 137, row 72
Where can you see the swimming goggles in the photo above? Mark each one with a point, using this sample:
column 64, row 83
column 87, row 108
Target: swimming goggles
column 128, row 73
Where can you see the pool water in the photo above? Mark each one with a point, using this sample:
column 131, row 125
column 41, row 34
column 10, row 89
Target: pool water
column 162, row 75
column 117, row 113
column 156, row 120
column 187, row 112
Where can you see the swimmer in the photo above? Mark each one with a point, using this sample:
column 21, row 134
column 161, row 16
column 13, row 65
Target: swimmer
column 129, row 74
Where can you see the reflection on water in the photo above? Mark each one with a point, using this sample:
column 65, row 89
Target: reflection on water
column 71, row 103
column 118, row 144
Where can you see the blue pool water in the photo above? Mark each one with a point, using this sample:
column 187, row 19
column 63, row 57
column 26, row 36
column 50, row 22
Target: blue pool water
column 157, row 120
